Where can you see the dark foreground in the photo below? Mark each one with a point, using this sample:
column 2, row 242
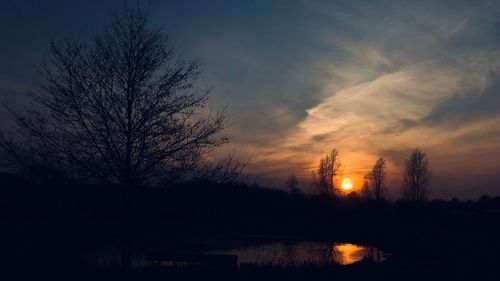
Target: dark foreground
column 390, row 270
column 48, row 232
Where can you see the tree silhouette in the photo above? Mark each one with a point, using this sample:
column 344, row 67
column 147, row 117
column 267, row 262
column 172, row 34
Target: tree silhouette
column 374, row 180
column 416, row 177
column 224, row 170
column 367, row 189
column 325, row 177
column 292, row 184
column 123, row 109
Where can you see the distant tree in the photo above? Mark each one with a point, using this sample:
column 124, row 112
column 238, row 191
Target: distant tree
column 325, row 178
column 374, row 181
column 416, row 177
column 122, row 109
column 292, row 184
column 367, row 189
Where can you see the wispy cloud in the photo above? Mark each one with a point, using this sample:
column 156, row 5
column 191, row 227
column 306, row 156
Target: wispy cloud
column 373, row 78
column 400, row 78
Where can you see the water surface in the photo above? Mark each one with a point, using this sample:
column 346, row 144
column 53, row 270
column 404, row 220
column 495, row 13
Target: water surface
column 272, row 253
column 305, row 253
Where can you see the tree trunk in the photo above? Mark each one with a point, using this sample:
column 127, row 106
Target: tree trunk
column 126, row 229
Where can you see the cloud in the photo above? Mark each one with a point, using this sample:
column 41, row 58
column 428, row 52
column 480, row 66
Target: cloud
column 373, row 78
column 410, row 76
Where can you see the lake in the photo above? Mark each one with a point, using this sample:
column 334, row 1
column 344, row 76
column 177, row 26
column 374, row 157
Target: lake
column 305, row 252
column 273, row 253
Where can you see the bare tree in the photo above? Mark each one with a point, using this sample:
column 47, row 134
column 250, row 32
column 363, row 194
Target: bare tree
column 367, row 189
column 325, row 177
column 374, row 180
column 416, row 177
column 123, row 108
column 292, row 184
column 224, row 170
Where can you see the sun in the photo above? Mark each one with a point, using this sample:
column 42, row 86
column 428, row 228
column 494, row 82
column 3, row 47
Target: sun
column 346, row 184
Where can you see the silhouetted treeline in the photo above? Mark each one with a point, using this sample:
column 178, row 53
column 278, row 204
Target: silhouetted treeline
column 204, row 207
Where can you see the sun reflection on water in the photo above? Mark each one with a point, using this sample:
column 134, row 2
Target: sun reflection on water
column 305, row 253
column 350, row 253
column 280, row 254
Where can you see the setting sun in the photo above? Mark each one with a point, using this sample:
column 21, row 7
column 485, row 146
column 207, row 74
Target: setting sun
column 346, row 184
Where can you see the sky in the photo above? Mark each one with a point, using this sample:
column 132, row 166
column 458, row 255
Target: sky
column 370, row 78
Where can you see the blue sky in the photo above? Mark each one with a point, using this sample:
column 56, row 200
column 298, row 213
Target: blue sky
column 372, row 78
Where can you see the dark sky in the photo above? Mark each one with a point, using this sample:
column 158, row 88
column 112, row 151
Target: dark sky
column 372, row 78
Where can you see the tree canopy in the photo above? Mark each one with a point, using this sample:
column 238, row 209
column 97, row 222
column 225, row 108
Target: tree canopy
column 122, row 108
